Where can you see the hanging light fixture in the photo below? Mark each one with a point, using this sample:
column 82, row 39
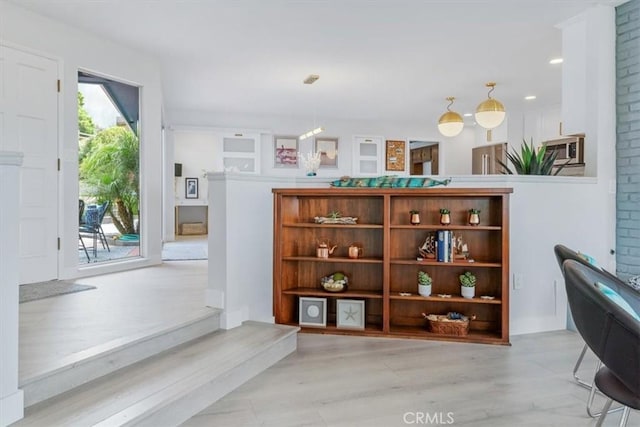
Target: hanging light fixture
column 490, row 113
column 309, row 80
column 450, row 123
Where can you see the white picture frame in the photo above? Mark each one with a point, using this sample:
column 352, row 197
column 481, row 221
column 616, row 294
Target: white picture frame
column 350, row 314
column 312, row 312
column 285, row 151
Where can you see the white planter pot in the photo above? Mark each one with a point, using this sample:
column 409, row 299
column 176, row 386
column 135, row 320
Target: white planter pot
column 467, row 292
column 424, row 290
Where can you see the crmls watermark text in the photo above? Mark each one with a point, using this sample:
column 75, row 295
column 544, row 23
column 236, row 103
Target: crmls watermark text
column 424, row 418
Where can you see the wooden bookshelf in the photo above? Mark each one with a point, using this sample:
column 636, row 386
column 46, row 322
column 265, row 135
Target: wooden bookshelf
column 390, row 263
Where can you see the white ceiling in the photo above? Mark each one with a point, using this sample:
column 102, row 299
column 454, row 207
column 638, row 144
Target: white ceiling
column 377, row 59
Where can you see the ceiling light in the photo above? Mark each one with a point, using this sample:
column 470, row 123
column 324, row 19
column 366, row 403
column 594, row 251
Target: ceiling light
column 467, row 114
column 450, row 123
column 530, row 97
column 555, row 61
column 311, row 133
column 310, row 79
column 490, row 113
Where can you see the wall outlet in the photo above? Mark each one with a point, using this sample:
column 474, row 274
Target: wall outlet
column 518, row 281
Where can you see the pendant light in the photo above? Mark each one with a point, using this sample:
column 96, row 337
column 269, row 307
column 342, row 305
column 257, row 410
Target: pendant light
column 309, row 80
column 450, row 123
column 490, row 113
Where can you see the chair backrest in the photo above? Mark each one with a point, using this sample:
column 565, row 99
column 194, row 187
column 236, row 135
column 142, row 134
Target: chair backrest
column 80, row 210
column 631, row 295
column 611, row 333
column 102, row 210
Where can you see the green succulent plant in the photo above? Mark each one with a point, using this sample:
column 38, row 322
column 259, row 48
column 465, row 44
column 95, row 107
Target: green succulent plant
column 444, row 211
column 468, row 279
column 531, row 161
column 424, row 278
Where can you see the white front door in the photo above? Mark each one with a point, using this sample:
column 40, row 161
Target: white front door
column 29, row 124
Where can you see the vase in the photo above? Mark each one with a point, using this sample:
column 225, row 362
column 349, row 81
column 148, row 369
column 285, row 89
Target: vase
column 474, row 219
column 424, row 290
column 445, row 219
column 415, row 218
column 311, row 173
column 468, row 291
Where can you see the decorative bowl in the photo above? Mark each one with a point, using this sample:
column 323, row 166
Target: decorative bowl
column 331, row 285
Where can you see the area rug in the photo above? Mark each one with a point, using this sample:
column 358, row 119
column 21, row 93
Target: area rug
column 36, row 291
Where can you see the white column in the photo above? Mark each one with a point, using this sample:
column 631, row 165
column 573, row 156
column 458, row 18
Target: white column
column 11, row 398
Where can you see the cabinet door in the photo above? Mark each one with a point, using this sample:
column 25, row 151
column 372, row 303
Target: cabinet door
column 367, row 156
column 241, row 152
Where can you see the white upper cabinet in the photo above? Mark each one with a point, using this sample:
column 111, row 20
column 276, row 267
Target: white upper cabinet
column 367, row 155
column 240, row 152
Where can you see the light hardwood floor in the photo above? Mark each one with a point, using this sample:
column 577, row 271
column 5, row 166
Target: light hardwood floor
column 330, row 380
column 353, row 381
column 123, row 304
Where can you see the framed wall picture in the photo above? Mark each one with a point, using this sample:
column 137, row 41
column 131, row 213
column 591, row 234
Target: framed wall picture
column 350, row 314
column 328, row 148
column 395, row 155
column 191, row 188
column 313, row 312
column 285, row 151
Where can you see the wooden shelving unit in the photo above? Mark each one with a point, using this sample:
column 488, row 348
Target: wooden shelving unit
column 390, row 265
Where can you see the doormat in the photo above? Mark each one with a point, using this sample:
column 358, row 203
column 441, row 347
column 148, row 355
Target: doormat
column 36, row 291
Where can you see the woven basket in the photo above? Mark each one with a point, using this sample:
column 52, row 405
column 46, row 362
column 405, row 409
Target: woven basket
column 441, row 324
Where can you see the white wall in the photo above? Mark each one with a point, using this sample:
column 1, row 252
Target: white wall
column 544, row 211
column 74, row 50
column 11, row 398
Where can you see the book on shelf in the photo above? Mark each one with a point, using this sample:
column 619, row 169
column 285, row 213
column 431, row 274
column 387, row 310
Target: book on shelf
column 444, row 246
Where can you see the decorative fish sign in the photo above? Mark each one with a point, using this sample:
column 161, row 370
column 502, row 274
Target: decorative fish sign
column 389, row 181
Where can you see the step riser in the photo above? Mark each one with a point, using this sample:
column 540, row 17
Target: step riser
column 178, row 410
column 102, row 361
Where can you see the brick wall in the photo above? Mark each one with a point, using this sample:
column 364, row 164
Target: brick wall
column 628, row 138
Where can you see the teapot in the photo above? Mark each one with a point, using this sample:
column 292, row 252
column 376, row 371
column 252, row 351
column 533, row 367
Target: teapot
column 324, row 249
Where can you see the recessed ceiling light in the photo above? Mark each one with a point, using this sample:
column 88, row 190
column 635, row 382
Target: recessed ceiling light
column 530, row 97
column 467, row 114
column 555, row 61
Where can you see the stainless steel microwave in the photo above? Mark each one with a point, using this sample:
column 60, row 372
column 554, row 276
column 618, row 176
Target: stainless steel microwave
column 569, row 150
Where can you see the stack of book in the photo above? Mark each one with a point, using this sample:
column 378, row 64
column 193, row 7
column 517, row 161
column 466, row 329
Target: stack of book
column 444, row 246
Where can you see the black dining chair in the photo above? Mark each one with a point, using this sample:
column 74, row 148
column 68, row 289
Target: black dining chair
column 611, row 329
column 631, row 295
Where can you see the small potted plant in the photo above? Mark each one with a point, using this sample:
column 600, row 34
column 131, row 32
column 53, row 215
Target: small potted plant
column 467, row 285
column 474, row 216
column 424, row 284
column 445, row 217
column 415, row 217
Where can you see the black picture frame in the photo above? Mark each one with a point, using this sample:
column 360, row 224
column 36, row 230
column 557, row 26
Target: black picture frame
column 191, row 188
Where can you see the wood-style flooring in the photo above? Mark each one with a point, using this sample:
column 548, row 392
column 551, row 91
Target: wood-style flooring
column 352, row 381
column 330, row 380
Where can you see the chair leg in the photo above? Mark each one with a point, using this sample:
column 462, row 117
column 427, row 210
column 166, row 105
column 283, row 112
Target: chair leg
column 581, row 382
column 104, row 238
column 604, row 412
column 592, row 393
column 84, row 247
column 625, row 416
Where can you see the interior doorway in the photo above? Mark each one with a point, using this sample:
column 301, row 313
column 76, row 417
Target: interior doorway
column 424, row 158
column 109, row 172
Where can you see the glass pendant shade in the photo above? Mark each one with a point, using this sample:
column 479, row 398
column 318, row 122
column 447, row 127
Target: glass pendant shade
column 450, row 123
column 490, row 113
